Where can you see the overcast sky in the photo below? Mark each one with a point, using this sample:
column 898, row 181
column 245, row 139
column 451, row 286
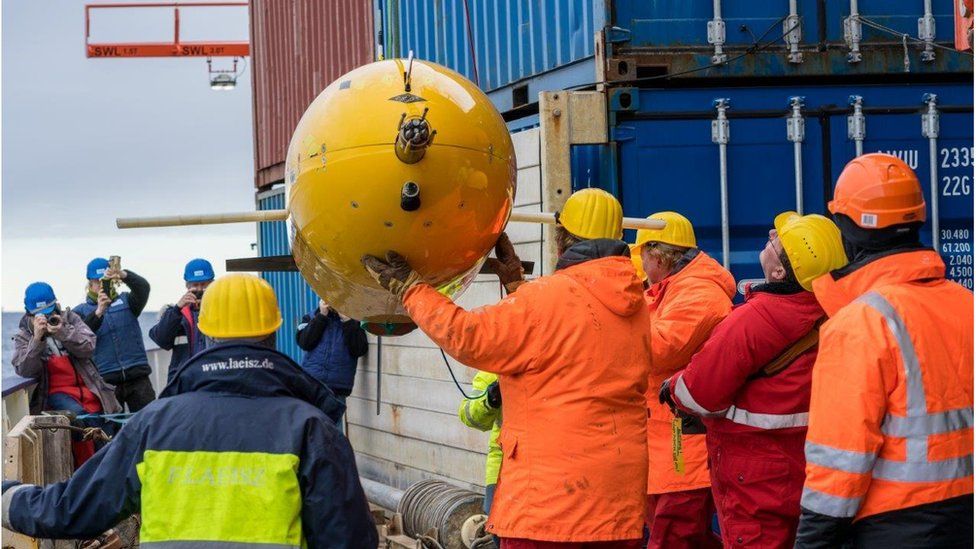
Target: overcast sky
column 88, row 140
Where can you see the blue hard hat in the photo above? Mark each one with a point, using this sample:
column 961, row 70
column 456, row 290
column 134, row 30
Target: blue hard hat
column 96, row 268
column 198, row 270
column 39, row 298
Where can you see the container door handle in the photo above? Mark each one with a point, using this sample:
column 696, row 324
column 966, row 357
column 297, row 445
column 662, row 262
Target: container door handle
column 720, row 136
column 857, row 124
column 795, row 132
column 930, row 130
column 852, row 34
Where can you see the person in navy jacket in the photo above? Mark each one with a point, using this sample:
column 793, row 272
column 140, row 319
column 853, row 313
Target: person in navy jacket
column 177, row 329
column 332, row 345
column 120, row 353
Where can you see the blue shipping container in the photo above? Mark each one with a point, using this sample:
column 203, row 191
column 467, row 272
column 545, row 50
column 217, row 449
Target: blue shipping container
column 666, row 158
column 517, row 48
column 536, row 44
column 295, row 296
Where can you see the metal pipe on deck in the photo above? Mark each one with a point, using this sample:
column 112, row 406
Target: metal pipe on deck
column 380, row 494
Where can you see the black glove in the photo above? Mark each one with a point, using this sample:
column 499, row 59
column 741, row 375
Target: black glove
column 394, row 275
column 494, row 394
column 664, row 395
column 506, row 264
column 690, row 424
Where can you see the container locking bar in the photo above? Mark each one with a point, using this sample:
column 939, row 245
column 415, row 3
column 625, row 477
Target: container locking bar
column 852, row 34
column 720, row 136
column 716, row 33
column 930, row 130
column 796, row 132
column 926, row 32
column 857, row 124
column 793, row 33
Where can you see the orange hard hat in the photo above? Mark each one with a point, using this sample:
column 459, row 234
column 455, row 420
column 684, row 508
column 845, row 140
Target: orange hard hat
column 877, row 191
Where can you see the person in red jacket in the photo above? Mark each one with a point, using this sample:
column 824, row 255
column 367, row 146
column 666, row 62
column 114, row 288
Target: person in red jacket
column 751, row 384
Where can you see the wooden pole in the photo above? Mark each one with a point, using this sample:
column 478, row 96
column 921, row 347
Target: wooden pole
column 550, row 219
column 281, row 215
column 201, row 219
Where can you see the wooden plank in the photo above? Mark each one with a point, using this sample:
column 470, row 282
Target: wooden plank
column 587, row 117
column 444, row 429
column 415, row 392
column 37, row 455
column 554, row 144
column 529, row 186
column 565, row 118
column 526, row 144
column 462, row 465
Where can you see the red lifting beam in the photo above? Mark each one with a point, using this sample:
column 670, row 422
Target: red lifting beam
column 176, row 48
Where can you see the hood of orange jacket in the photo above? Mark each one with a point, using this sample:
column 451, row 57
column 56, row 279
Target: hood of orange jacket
column 615, row 288
column 838, row 288
column 684, row 308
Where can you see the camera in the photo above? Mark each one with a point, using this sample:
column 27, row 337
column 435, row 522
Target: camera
column 53, row 320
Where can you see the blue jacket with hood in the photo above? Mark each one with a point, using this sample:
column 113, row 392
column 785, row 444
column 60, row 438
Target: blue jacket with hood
column 241, row 449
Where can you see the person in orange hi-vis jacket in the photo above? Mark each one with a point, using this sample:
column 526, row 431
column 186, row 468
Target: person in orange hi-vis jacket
column 689, row 294
column 889, row 447
column 572, row 353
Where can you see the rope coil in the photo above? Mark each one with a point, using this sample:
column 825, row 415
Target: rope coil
column 431, row 505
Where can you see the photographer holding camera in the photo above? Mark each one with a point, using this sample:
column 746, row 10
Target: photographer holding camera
column 120, row 353
column 177, row 329
column 55, row 347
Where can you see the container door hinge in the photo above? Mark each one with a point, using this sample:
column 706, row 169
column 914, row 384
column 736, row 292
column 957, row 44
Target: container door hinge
column 616, row 35
column 857, row 124
column 620, row 134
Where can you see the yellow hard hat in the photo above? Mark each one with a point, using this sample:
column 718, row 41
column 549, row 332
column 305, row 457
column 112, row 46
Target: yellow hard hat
column 239, row 305
column 593, row 213
column 812, row 243
column 677, row 231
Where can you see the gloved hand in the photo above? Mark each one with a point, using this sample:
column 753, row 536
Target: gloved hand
column 506, row 264
column 690, row 424
column 494, row 395
column 664, row 395
column 394, row 275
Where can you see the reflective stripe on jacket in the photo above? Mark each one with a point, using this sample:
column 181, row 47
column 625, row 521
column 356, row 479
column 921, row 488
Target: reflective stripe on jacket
column 891, row 413
column 241, row 450
column 722, row 382
column 476, row 413
column 756, row 425
column 571, row 351
column 684, row 309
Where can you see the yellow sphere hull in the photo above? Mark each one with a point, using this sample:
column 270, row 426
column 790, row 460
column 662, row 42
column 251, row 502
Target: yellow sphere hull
column 346, row 183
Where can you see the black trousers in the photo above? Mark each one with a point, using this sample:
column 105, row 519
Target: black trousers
column 135, row 394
